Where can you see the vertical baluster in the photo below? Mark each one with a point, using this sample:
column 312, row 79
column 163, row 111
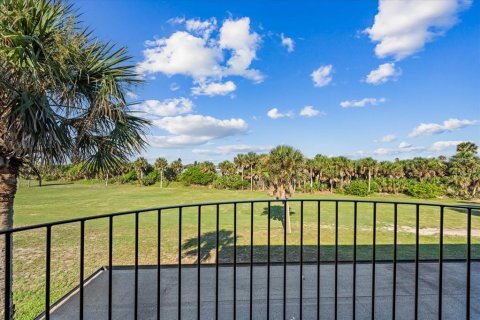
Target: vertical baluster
column 417, row 255
column 234, row 261
column 82, row 265
column 136, row 266
column 8, row 275
column 354, row 295
column 284, row 259
column 268, row 261
column 301, row 260
column 440, row 266
column 374, row 257
column 110, row 265
column 251, row 261
column 394, row 289
column 199, row 258
column 469, row 252
column 318, row 260
column 47, row 271
column 179, row 307
column 159, row 262
column 336, row 260
column 217, row 258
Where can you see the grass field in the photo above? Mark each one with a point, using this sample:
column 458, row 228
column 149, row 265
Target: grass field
column 56, row 202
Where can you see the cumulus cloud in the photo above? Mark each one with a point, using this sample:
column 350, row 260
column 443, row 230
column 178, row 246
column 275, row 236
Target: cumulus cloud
column 402, row 28
column 322, row 76
column 198, row 54
column 232, row 148
column 287, row 43
column 398, row 151
column 214, row 88
column 131, row 95
column 444, row 145
column 168, row 107
column 310, row 111
column 274, row 113
column 383, row 73
column 404, row 145
column 361, row 103
column 388, row 138
column 192, row 130
column 435, row 128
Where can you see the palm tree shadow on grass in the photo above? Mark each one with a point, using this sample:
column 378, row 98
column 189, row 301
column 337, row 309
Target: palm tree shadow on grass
column 208, row 242
column 277, row 213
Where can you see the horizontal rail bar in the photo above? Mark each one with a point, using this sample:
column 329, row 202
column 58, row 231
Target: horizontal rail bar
column 193, row 205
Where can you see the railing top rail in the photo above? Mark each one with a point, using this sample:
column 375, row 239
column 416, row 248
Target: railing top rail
column 190, row 205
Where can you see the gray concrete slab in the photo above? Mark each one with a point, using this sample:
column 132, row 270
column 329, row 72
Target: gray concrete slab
column 454, row 287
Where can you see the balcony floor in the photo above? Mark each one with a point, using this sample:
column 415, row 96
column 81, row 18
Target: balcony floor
column 454, row 284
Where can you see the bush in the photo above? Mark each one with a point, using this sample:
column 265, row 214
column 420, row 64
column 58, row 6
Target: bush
column 194, row 175
column 129, row 177
column 150, row 178
column 358, row 188
column 233, row 182
column 425, row 190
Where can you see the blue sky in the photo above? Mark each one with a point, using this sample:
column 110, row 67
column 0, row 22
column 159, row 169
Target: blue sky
column 356, row 78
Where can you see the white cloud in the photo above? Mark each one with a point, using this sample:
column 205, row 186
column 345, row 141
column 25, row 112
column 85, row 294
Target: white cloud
column 214, row 88
column 288, row 43
column 383, row 73
column 196, row 53
column 194, row 130
column 361, row 103
column 435, row 128
column 201, row 27
column 402, row 28
column 275, row 114
column 235, row 35
column 397, row 151
column 310, row 111
column 233, row 148
column 168, row 107
column 322, row 76
column 388, row 138
column 443, row 145
column 132, row 95
column 404, row 145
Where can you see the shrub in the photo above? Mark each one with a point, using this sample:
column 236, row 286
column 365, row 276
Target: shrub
column 194, row 175
column 358, row 188
column 129, row 176
column 233, row 182
column 150, row 178
column 425, row 190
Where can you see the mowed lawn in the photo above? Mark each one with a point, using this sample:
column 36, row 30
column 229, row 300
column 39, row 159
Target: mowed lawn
column 57, row 202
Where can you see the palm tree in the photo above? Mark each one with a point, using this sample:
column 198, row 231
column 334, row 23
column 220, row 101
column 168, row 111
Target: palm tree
column 161, row 165
column 141, row 166
column 227, row 168
column 285, row 164
column 369, row 167
column 240, row 162
column 177, row 166
column 61, row 95
column 467, row 147
column 310, row 166
column 251, row 160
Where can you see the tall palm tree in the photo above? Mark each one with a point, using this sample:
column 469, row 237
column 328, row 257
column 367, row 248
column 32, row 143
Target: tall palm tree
column 368, row 166
column 61, row 96
column 141, row 166
column 240, row 162
column 177, row 166
column 285, row 164
column 161, row 165
column 251, row 160
column 227, row 168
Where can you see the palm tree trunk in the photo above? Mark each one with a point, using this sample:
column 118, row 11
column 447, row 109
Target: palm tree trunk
column 369, row 180
column 161, row 179
column 8, row 188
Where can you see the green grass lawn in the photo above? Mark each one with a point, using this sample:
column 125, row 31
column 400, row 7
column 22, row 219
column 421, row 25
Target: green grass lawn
column 57, row 202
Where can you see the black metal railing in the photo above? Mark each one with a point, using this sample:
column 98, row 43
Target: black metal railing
column 303, row 259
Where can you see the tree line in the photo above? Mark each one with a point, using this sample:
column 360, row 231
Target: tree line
column 457, row 176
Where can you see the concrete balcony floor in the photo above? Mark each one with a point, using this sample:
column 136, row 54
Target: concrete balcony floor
column 454, row 287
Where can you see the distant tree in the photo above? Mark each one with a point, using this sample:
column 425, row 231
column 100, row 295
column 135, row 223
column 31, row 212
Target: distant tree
column 227, row 168
column 368, row 167
column 177, row 167
column 141, row 166
column 161, row 165
column 240, row 162
column 251, row 161
column 464, row 170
